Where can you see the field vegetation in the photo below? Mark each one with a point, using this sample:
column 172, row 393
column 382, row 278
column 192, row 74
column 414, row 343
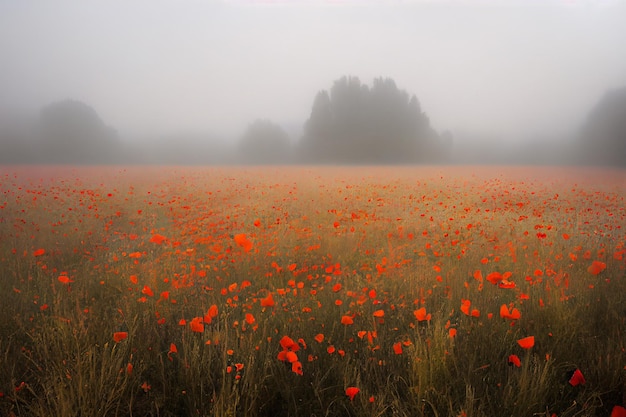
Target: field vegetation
column 312, row 291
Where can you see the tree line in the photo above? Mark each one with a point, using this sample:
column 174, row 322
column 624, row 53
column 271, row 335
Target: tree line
column 351, row 123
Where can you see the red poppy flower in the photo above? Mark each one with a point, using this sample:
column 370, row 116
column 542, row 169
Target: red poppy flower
column 147, row 291
column 212, row 312
column 465, row 307
column 478, row 275
column 506, row 284
column 351, row 392
column 64, row 279
column 243, row 242
column 173, row 349
column 514, row 360
column 119, row 336
column 596, row 267
column 267, row 301
column 513, row 314
column 494, row 277
column 420, row 314
column 197, row 325
column 577, row 378
column 287, row 343
column 158, row 239
column 618, row 411
column 526, row 342
column 296, row 367
column 291, row 356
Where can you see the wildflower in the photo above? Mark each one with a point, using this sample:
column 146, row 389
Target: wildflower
column 296, row 367
column 596, row 267
column 351, row 392
column 173, row 349
column 577, row 378
column 514, row 360
column 618, row 411
column 526, row 342
column 158, row 239
column 147, row 291
column 420, row 314
column 119, row 336
column 64, row 279
column 243, row 242
column 267, row 301
column 197, row 325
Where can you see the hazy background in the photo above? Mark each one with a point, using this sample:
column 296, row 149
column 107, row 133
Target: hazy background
column 491, row 72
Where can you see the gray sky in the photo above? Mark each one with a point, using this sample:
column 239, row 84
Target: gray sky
column 509, row 68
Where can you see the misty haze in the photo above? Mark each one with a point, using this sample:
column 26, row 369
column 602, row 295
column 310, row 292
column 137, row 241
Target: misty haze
column 299, row 208
column 255, row 82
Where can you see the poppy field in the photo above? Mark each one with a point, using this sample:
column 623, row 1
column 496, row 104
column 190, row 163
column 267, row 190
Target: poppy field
column 312, row 291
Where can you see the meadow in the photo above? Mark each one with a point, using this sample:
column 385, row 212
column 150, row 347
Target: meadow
column 312, row 291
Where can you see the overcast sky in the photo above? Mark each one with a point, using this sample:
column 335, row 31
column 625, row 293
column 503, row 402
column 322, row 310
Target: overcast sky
column 510, row 68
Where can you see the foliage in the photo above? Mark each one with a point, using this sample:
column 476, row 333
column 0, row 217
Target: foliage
column 66, row 131
column 71, row 131
column 358, row 124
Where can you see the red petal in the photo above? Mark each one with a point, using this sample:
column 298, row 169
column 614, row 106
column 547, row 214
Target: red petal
column 577, row 378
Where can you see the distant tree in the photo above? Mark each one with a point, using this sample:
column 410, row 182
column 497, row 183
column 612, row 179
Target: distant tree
column 359, row 124
column 604, row 134
column 72, row 132
column 265, row 142
column 319, row 135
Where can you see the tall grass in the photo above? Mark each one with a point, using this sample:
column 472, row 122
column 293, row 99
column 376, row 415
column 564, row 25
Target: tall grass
column 347, row 253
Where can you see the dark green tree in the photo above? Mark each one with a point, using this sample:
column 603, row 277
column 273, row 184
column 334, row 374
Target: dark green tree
column 359, row 124
column 72, row 132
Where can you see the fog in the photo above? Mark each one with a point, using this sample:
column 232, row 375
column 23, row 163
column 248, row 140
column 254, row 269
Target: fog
column 490, row 72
